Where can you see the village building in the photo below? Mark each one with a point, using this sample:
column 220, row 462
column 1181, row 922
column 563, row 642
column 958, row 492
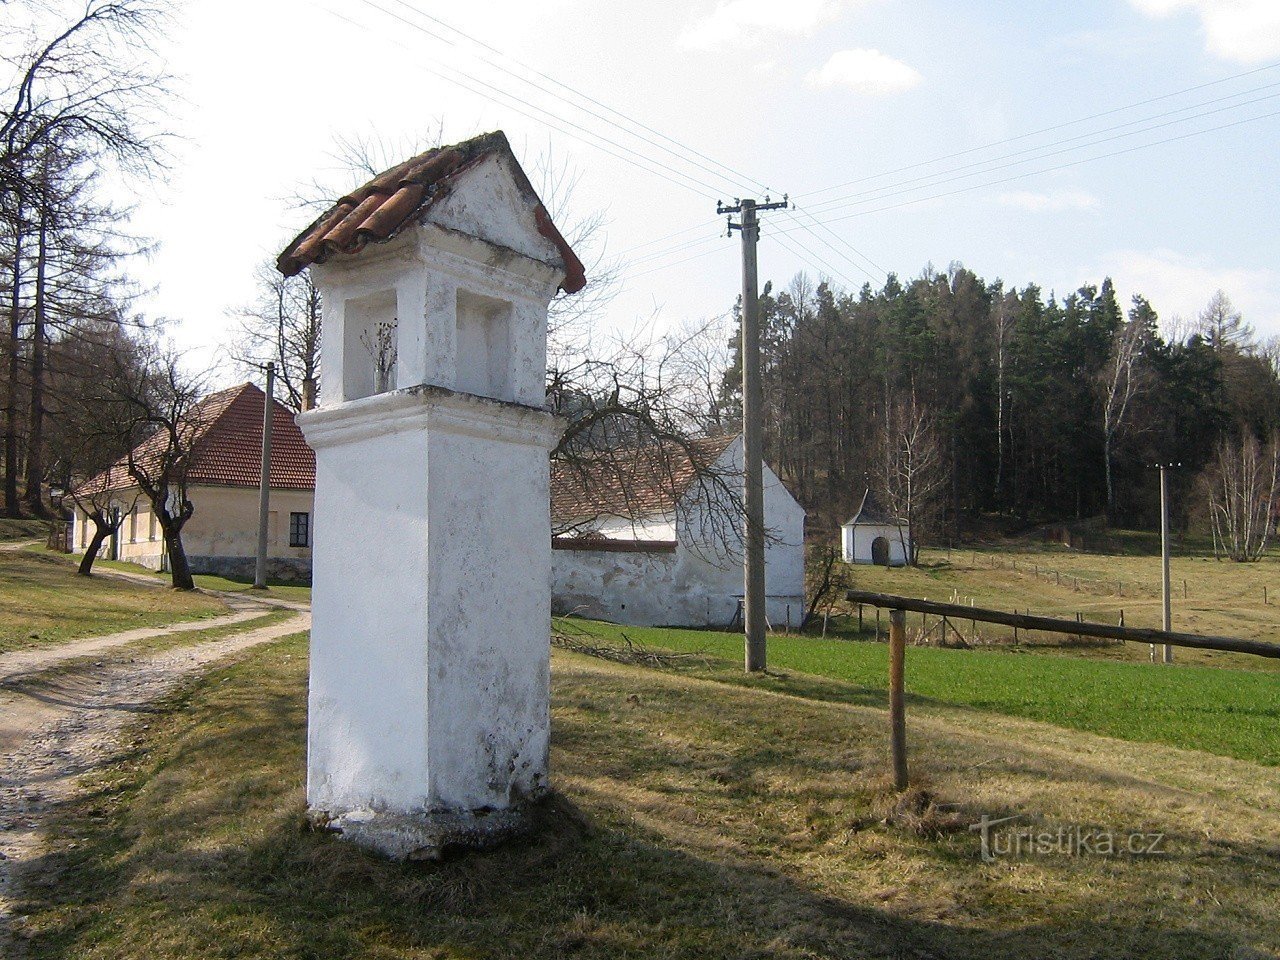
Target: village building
column 874, row 535
column 222, row 478
column 654, row 538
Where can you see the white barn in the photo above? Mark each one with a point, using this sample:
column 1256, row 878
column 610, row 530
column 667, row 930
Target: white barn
column 652, row 538
column 873, row 535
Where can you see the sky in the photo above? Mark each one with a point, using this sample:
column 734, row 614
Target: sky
column 907, row 134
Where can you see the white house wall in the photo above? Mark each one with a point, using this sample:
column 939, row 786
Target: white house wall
column 699, row 582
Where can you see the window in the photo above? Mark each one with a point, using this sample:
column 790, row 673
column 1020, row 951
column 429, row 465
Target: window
column 299, row 529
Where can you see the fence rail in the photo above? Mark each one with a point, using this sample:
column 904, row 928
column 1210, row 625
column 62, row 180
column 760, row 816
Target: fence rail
column 898, row 607
column 1083, row 628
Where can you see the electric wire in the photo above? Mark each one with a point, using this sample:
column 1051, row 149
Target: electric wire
column 703, row 189
column 1042, row 130
column 890, row 190
column 733, row 175
column 1061, row 166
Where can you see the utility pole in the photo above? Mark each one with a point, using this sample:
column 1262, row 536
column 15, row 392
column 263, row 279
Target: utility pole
column 264, row 483
column 1165, row 655
column 753, row 593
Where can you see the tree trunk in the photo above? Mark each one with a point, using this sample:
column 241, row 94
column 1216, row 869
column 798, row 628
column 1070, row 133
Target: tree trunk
column 100, row 533
column 35, row 420
column 11, row 505
column 1106, row 469
column 179, row 568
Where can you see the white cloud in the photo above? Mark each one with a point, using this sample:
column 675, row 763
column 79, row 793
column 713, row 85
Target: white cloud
column 735, row 21
column 1054, row 201
column 866, row 71
column 1179, row 285
column 1245, row 31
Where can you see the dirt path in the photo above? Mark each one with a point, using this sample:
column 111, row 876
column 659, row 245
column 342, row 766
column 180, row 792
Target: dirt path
column 57, row 725
column 19, row 663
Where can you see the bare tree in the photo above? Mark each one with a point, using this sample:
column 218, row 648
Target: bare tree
column 90, row 429
column 915, row 469
column 1222, row 325
column 1121, row 381
column 283, row 328
column 1243, row 482
column 164, row 425
column 628, row 442
column 699, row 354
column 87, row 90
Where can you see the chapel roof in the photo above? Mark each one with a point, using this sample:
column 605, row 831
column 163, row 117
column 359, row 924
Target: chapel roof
column 870, row 512
column 402, row 195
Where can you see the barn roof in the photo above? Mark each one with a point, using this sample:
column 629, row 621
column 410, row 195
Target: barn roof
column 399, row 197
column 871, row 513
column 225, row 433
column 631, row 483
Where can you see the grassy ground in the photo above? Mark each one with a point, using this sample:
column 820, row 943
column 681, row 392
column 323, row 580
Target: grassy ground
column 43, row 601
column 1228, row 712
column 696, row 820
column 279, row 589
column 23, row 529
column 1222, row 598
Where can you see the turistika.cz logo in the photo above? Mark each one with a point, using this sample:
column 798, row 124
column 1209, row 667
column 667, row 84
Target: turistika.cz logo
column 1001, row 840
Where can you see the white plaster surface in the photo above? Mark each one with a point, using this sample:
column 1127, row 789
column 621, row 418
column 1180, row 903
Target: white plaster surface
column 429, row 655
column 430, row 678
column 856, row 540
column 697, row 583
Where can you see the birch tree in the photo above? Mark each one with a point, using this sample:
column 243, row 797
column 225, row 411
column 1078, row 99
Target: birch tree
column 1122, row 379
column 1243, row 488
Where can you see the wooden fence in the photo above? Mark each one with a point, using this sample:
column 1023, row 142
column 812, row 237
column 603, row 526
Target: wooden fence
column 899, row 606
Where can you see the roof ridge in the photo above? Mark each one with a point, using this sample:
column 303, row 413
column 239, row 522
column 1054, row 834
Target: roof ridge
column 379, row 209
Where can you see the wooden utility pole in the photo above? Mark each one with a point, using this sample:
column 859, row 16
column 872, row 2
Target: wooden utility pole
column 1166, row 624
column 753, row 603
column 897, row 697
column 264, row 483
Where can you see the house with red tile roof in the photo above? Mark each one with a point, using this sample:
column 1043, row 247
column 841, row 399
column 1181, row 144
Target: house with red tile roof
column 222, row 483
column 652, row 536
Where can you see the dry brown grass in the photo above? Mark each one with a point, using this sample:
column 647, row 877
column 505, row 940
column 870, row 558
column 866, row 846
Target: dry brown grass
column 696, row 819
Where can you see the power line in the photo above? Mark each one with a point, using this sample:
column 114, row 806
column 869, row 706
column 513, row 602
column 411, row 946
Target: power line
column 836, row 203
column 734, row 174
column 1062, row 166
column 1049, row 129
column 808, row 255
column 883, row 273
column 938, row 179
column 629, row 156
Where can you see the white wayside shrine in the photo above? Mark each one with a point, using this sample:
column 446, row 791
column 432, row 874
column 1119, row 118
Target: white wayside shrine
column 428, row 712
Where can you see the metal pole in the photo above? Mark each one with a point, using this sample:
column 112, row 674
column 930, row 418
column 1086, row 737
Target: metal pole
column 753, row 474
column 1166, row 624
column 264, row 483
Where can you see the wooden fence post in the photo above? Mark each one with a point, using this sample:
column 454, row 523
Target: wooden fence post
column 897, row 704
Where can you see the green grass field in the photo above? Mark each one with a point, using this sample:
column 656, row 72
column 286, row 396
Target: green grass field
column 43, row 601
column 1233, row 713
column 278, row 589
